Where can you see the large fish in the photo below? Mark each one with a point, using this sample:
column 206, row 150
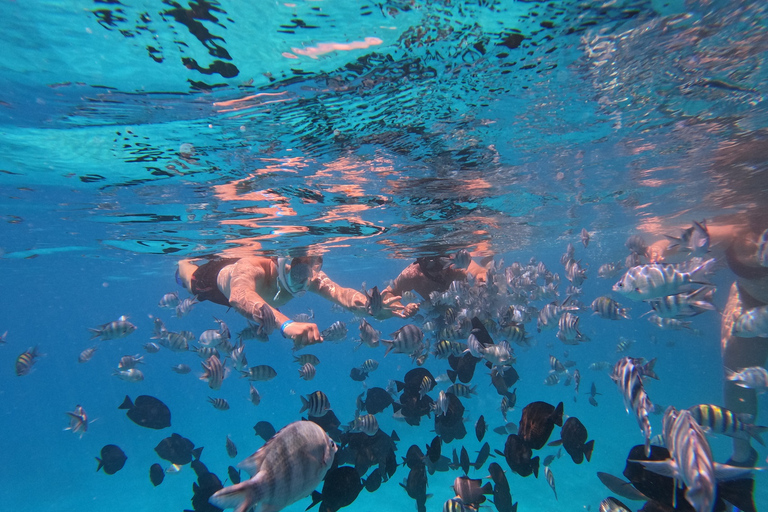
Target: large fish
column 537, row 422
column 691, row 460
column 627, row 374
column 287, row 468
column 147, row 411
column 643, row 282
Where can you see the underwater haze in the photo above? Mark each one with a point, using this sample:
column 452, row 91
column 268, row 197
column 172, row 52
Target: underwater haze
column 549, row 139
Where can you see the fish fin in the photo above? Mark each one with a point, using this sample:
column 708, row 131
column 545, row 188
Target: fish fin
column 755, row 432
column 101, row 463
column 316, row 498
column 394, row 436
column 250, row 465
column 390, row 345
column 127, row 403
column 452, row 375
column 559, row 414
column 648, row 369
column 666, row 467
column 304, row 404
column 196, row 452
column 95, row 332
column 535, row 463
column 726, row 472
column 588, row 447
column 240, row 496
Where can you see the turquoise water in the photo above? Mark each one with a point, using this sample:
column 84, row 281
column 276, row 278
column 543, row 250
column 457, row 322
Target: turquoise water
column 134, row 134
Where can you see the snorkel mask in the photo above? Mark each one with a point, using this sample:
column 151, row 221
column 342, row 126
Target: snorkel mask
column 292, row 278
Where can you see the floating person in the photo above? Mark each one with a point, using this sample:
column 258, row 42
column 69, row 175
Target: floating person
column 432, row 274
column 256, row 286
column 742, row 242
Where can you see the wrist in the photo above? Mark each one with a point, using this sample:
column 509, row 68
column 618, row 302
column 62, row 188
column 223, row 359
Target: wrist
column 285, row 324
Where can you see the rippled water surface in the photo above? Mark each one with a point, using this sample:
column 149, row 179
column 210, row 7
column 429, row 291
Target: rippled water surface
column 134, row 134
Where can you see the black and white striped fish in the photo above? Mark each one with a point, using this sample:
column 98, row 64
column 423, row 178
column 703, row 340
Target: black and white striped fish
column 287, row 468
column 375, row 302
column 445, row 348
column 628, row 376
column 254, row 395
column 116, row 329
column 128, row 362
column 307, row 372
column 86, row 355
column 406, row 340
column 368, row 335
column 316, row 404
column 336, row 332
column 219, row 403
column 260, row 372
column 608, row 308
column 214, row 372
column 169, row 300
column 550, row 479
column 683, row 305
column 307, row 358
column 185, row 306
column 366, row 424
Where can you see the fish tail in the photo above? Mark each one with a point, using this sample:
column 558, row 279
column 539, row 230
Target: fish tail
column 101, row 463
column 127, row 403
column 240, row 496
column 755, row 432
column 390, row 345
column 648, row 369
column 535, row 465
column 588, row 447
column 304, row 404
column 697, row 274
column 95, row 333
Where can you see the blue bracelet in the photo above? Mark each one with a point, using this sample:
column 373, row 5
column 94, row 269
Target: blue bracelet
column 285, row 324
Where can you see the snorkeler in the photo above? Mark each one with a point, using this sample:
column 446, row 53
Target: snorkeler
column 738, row 243
column 251, row 284
column 432, row 274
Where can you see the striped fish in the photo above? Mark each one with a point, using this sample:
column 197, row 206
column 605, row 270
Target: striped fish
column 265, row 316
column 368, row 335
column 260, row 372
column 611, row 504
column 316, row 404
column 369, row 365
column 209, row 337
column 552, row 379
column 753, row 323
column 238, row 357
column 177, row 341
column 375, row 303
column 231, row 448
column 442, row 403
column 406, row 340
column 366, row 424
column 152, row 347
column 608, row 308
column 754, row 377
column 181, row 369
column 185, row 306
column 445, row 348
column 683, row 305
column 252, row 332
column 654, row 280
column 307, row 358
column 128, row 362
column 568, row 329
column 555, row 365
column 169, row 300
column 722, row 421
column 132, row 375
column 119, row 328
column 206, row 352
column 691, row 461
column 287, row 468
column 86, row 355
column 214, row 372
column 628, row 376
column 550, row 479
column 427, row 383
column 219, row 403
column 462, row 390
column 336, row 332
column 307, row 372
column 254, row 395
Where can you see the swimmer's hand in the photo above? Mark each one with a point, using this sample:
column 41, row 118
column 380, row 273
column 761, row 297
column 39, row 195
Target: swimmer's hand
column 303, row 334
column 391, row 306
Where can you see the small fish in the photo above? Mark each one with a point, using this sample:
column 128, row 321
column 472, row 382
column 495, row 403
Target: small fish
column 754, row 377
column 128, row 362
column 234, row 475
column 261, row 372
column 185, row 306
column 369, row 365
column 684, row 305
column 306, row 358
column 462, row 259
column 254, row 395
column 598, row 366
column 555, row 365
column 219, row 403
column 752, row 323
column 577, row 383
column 636, row 244
column 132, row 375
column 375, row 302
column 722, row 421
column 86, row 355
column 307, row 372
column 316, row 404
column 427, row 383
column 550, row 479
column 78, row 421
column 366, row 424
column 694, row 240
column 462, row 390
column 156, row 474
column 480, row 428
column 568, row 329
column 181, row 369
column 112, row 459
column 238, row 357
column 265, row 316
column 608, row 308
column 406, row 340
column 552, row 379
column 152, row 347
column 627, row 374
column 573, row 437
column 210, row 337
column 673, row 324
column 368, row 335
column 119, row 328
column 231, row 448
column 441, row 404
column 252, row 332
column 585, row 237
column 624, row 344
column 336, row 332
column 169, row 300
column 609, row 270
column 214, row 372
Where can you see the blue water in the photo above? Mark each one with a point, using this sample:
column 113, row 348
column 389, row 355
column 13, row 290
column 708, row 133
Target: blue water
column 133, row 134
